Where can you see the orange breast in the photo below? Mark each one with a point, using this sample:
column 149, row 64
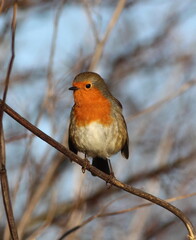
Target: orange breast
column 90, row 106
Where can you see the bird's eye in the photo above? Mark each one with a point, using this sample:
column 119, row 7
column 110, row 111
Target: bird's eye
column 88, row 85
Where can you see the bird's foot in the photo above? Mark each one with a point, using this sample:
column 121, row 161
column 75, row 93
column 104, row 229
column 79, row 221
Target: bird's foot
column 108, row 181
column 85, row 165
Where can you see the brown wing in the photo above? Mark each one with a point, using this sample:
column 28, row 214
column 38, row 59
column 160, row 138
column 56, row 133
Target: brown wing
column 125, row 149
column 72, row 146
column 117, row 102
column 70, row 142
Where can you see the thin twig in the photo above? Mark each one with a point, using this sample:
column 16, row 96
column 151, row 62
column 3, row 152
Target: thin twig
column 185, row 87
column 91, row 22
column 146, row 205
column 101, row 214
column 109, row 179
column 50, row 88
column 48, row 219
column 41, row 189
column 91, row 218
column 3, row 172
column 100, row 46
column 35, row 198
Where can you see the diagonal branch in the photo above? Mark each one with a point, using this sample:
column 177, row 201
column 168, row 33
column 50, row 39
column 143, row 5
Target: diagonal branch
column 109, row 179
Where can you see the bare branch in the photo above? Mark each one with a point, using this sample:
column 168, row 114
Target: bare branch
column 1, row 5
column 49, row 96
column 109, row 179
column 101, row 214
column 185, row 87
column 3, row 172
column 100, row 46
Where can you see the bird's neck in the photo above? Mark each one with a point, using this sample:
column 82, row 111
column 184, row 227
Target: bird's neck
column 93, row 112
column 91, row 106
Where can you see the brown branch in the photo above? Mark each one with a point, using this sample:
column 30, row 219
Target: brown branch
column 109, row 179
column 3, row 172
column 63, row 208
column 1, row 5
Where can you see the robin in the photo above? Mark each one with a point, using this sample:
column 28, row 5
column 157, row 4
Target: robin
column 97, row 126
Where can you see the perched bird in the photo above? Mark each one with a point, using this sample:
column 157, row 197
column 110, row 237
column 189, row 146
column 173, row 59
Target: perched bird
column 97, row 126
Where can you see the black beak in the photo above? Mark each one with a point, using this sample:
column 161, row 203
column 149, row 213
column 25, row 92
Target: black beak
column 73, row 88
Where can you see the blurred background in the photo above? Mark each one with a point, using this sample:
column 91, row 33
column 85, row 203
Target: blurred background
column 146, row 52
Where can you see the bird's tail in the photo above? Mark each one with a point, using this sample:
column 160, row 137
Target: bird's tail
column 101, row 164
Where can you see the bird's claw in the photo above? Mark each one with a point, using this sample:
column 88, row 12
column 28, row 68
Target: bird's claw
column 85, row 165
column 108, row 184
column 83, row 169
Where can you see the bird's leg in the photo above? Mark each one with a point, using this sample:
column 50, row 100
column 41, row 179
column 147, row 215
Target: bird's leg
column 111, row 170
column 110, row 176
column 84, row 167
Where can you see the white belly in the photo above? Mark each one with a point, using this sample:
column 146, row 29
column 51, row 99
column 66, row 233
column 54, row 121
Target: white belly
column 98, row 140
